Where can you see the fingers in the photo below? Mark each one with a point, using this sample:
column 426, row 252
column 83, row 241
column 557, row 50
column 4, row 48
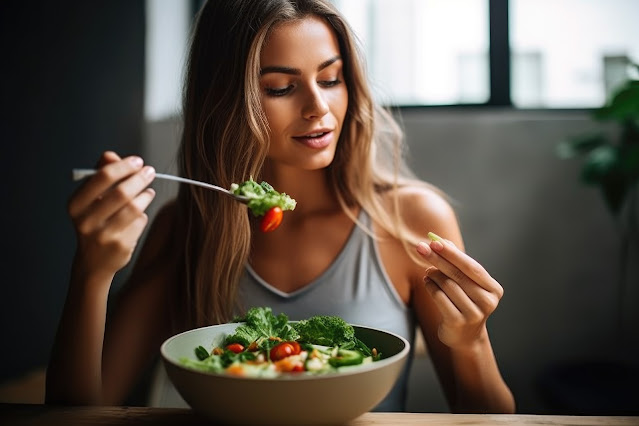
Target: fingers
column 456, row 264
column 114, row 199
column 460, row 279
column 133, row 211
column 446, row 306
column 106, row 158
column 114, row 171
column 457, row 301
column 108, row 211
column 121, row 196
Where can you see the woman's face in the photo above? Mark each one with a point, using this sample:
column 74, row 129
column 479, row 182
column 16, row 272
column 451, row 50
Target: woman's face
column 303, row 93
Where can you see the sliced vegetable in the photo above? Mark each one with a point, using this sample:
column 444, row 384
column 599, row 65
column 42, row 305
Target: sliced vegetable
column 235, row 348
column 267, row 345
column 201, row 353
column 314, row 364
column 346, row 357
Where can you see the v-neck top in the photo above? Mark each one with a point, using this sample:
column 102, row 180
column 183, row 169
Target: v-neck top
column 354, row 287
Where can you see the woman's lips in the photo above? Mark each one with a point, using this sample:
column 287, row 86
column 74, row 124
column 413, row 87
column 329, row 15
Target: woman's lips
column 317, row 140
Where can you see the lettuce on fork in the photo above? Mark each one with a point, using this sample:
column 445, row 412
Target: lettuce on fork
column 262, row 197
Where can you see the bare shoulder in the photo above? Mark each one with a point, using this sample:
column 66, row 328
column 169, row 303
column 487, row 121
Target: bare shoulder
column 424, row 209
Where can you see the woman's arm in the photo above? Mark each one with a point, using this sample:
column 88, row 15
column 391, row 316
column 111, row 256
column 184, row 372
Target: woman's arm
column 108, row 215
column 452, row 304
column 141, row 317
column 470, row 378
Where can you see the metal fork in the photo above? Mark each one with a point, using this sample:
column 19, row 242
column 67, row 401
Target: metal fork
column 79, row 174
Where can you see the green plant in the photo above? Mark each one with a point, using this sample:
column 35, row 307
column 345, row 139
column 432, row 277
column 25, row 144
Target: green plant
column 611, row 161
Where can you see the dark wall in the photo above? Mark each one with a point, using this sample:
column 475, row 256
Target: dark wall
column 72, row 79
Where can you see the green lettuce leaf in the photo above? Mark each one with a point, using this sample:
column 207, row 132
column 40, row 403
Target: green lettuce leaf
column 262, row 197
column 260, row 327
column 326, row 330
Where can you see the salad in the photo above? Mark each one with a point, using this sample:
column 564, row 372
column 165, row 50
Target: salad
column 269, row 346
column 264, row 201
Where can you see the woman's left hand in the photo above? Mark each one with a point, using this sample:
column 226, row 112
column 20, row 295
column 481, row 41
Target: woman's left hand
column 463, row 291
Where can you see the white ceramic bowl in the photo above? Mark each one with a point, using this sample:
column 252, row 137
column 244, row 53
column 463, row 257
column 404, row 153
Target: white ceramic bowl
column 288, row 399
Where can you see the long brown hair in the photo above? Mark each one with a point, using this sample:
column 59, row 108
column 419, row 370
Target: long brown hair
column 225, row 140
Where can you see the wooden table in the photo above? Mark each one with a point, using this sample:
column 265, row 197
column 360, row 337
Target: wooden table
column 39, row 414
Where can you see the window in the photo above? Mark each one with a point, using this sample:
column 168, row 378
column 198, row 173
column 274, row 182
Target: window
column 543, row 54
column 570, row 53
column 423, row 51
column 526, row 53
column 167, row 30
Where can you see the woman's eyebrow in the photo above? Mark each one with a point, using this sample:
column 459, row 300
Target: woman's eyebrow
column 297, row 71
column 328, row 62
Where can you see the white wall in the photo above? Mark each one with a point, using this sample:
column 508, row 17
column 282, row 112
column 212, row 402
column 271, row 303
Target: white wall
column 544, row 236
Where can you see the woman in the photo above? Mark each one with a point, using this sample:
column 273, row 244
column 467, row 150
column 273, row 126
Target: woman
column 275, row 90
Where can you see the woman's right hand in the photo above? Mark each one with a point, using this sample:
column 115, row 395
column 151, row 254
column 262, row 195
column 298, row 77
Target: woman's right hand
column 108, row 212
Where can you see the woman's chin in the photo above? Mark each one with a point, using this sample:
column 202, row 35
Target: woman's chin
column 319, row 160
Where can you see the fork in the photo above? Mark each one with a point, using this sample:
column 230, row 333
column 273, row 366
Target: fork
column 79, row 174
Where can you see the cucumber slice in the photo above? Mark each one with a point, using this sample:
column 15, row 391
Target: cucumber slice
column 346, row 357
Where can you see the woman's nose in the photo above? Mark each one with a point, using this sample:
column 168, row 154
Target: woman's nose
column 315, row 104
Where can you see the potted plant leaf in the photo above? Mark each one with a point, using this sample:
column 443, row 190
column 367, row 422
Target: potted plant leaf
column 611, row 162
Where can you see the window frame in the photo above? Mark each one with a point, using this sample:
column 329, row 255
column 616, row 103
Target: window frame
column 499, row 67
column 499, row 53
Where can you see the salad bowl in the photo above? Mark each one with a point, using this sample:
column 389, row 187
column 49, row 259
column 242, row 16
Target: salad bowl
column 291, row 398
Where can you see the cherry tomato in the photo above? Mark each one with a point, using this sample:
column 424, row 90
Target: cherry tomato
column 296, row 348
column 235, row 348
column 271, row 219
column 298, row 368
column 281, row 351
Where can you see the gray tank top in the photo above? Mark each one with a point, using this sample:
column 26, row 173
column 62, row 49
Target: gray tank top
column 355, row 287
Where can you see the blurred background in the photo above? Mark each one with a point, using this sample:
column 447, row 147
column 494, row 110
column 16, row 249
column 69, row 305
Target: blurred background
column 486, row 90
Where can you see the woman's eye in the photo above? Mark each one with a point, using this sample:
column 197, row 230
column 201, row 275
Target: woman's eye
column 278, row 91
column 330, row 83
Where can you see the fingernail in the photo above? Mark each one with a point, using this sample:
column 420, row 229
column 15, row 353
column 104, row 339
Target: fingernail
column 148, row 171
column 136, row 161
column 435, row 237
column 427, row 273
column 437, row 241
column 423, row 248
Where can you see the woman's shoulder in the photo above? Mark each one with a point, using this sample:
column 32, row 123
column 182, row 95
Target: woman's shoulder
column 421, row 202
column 425, row 208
